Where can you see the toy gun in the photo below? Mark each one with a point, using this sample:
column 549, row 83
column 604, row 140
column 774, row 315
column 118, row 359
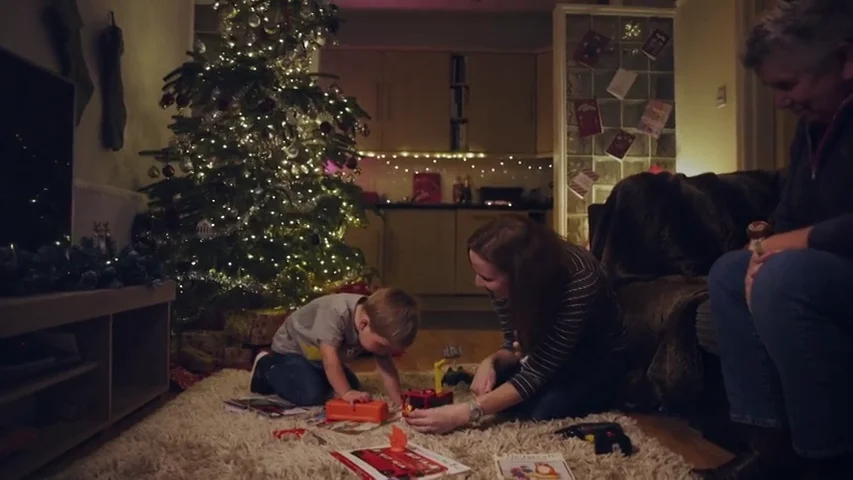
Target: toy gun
column 603, row 435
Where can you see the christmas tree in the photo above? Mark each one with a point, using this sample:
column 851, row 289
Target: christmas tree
column 255, row 212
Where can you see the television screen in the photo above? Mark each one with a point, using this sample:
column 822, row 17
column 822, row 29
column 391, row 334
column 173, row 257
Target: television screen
column 36, row 154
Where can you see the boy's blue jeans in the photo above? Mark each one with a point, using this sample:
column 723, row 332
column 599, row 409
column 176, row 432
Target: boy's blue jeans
column 789, row 363
column 300, row 381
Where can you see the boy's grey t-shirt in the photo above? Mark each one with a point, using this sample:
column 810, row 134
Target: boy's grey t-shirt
column 328, row 319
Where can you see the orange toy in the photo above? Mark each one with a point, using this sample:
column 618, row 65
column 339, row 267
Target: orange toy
column 373, row 412
column 398, row 440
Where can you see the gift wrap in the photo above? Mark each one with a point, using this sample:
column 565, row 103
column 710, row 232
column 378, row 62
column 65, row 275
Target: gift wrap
column 254, row 327
column 212, row 342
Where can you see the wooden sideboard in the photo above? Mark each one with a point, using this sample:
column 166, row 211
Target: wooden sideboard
column 122, row 337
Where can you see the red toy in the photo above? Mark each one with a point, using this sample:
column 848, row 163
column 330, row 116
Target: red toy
column 373, row 412
column 425, row 399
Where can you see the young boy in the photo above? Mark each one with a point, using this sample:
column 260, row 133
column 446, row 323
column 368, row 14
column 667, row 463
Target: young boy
column 310, row 349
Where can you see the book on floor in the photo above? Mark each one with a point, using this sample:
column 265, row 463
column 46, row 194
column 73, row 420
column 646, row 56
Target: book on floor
column 550, row 466
column 399, row 459
column 271, row 406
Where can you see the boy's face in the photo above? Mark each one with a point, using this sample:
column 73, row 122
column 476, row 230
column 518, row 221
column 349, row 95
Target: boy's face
column 370, row 341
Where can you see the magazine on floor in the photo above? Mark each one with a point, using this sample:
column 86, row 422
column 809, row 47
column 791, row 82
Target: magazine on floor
column 544, row 466
column 270, row 406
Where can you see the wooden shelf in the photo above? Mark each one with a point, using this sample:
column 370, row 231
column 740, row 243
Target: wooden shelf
column 122, row 337
column 44, row 381
column 52, row 442
column 39, row 312
column 128, row 399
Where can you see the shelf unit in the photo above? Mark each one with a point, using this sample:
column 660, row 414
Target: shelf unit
column 122, row 337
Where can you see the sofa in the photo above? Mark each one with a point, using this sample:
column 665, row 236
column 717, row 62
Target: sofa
column 657, row 236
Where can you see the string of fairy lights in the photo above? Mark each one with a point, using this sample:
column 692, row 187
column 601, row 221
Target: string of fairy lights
column 481, row 164
column 257, row 132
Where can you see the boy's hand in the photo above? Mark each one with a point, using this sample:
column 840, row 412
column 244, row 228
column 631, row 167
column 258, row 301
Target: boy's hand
column 354, row 396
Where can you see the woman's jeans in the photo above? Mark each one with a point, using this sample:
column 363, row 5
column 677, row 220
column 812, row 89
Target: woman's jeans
column 789, row 363
column 574, row 392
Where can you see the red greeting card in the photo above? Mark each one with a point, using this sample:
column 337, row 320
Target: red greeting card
column 426, row 188
column 590, row 48
column 655, row 44
column 620, row 145
column 588, row 116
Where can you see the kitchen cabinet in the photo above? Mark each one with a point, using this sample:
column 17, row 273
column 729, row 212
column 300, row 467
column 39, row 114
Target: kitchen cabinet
column 360, row 76
column 416, row 92
column 467, row 222
column 420, row 251
column 405, row 93
column 370, row 240
column 502, row 104
column 545, row 103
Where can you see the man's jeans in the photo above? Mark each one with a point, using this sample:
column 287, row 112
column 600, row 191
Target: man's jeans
column 789, row 364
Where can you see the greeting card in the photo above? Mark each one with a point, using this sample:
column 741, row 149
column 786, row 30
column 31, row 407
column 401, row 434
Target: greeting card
column 620, row 145
column 654, row 118
column 588, row 115
column 590, row 48
column 582, row 183
column 654, row 45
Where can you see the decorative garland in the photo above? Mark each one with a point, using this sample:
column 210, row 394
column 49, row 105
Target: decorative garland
column 94, row 263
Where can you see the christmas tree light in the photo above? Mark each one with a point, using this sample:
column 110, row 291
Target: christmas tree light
column 268, row 157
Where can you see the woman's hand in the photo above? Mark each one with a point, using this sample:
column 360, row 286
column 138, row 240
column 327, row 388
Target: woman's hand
column 439, row 420
column 484, row 378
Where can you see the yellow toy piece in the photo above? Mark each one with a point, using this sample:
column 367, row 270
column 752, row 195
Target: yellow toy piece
column 438, row 374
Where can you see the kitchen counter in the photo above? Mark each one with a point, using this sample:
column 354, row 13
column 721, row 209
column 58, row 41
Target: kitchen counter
column 462, row 206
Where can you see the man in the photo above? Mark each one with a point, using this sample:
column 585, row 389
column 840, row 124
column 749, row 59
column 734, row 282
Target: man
column 784, row 311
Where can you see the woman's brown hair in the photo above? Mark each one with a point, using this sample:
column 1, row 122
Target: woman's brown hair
column 537, row 263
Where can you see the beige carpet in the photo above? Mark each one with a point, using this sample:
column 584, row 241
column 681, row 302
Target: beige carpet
column 193, row 437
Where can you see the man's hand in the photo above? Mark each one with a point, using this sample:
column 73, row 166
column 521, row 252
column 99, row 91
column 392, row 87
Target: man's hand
column 755, row 263
column 354, row 396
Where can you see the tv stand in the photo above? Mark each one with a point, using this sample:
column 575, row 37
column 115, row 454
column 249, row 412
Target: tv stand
column 121, row 364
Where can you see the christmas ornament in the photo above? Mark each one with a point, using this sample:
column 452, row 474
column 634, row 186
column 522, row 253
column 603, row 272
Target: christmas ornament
column 292, row 151
column 154, row 172
column 315, row 239
column 326, row 128
column 204, row 230
column 352, row 163
column 254, row 20
column 167, row 100
column 182, row 100
column 228, row 12
column 199, row 46
column 271, row 28
column 186, row 165
column 168, row 171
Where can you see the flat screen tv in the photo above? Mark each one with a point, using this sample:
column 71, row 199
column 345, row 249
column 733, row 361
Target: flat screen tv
column 36, row 154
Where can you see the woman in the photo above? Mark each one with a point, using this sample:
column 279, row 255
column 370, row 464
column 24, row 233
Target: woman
column 784, row 311
column 561, row 353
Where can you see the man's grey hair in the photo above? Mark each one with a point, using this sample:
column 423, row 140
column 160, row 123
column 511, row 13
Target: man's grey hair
column 806, row 31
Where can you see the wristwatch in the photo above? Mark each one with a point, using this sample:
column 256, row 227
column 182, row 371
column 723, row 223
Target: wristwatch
column 475, row 411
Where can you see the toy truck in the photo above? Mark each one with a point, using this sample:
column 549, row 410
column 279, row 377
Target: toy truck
column 429, row 398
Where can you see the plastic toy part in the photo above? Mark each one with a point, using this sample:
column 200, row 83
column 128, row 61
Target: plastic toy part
column 603, row 435
column 422, row 399
column 373, row 412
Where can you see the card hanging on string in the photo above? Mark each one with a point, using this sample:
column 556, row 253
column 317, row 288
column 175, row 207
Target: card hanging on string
column 622, row 82
column 654, row 45
column 581, row 184
column 620, row 145
column 590, row 48
column 588, row 116
column 654, row 118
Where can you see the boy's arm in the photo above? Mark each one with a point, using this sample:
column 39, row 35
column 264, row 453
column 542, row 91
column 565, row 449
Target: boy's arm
column 390, row 378
column 334, row 369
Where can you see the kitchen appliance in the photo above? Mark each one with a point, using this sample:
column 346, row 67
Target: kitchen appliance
column 502, row 196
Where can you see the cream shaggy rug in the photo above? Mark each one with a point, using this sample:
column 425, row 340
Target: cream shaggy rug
column 194, row 437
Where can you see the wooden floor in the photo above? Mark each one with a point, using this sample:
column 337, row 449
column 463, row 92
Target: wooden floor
column 476, row 344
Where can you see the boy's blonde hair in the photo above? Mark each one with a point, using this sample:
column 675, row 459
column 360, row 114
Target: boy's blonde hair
column 394, row 316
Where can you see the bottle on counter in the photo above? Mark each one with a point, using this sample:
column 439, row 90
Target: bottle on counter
column 467, row 195
column 457, row 190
